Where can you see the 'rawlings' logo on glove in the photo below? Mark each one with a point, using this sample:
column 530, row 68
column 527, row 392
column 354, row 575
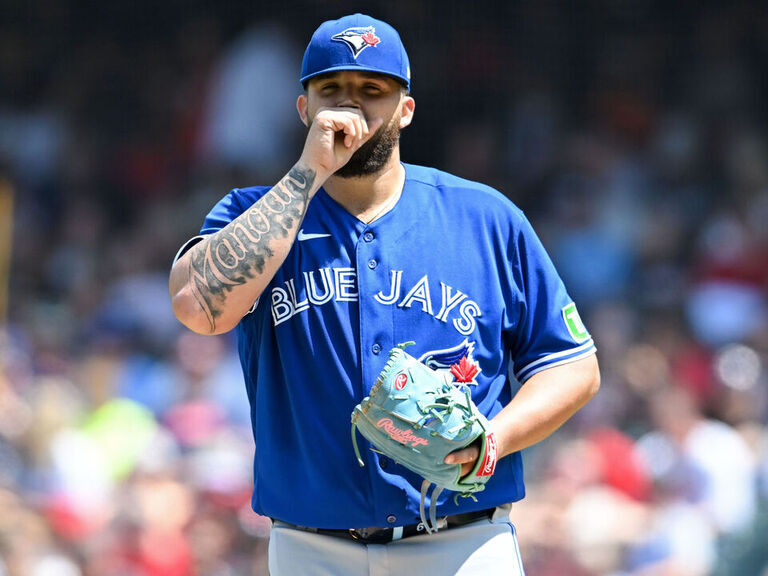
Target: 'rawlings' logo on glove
column 399, row 435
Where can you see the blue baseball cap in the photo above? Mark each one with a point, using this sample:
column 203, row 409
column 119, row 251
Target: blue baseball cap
column 356, row 42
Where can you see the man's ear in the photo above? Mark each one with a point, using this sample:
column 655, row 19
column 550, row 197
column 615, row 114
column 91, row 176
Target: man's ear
column 407, row 108
column 301, row 106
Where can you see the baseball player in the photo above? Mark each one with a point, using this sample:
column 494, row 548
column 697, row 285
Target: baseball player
column 349, row 255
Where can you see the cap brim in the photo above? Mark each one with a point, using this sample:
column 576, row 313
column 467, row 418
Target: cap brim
column 405, row 82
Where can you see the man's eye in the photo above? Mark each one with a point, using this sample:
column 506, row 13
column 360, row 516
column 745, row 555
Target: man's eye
column 372, row 88
column 328, row 88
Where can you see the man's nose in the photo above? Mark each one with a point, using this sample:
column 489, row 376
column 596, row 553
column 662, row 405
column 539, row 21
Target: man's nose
column 349, row 98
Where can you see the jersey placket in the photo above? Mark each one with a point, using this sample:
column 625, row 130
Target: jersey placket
column 376, row 328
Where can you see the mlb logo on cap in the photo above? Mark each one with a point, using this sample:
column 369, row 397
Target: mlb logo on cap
column 356, row 42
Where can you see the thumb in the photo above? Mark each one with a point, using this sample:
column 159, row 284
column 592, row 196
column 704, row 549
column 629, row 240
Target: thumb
column 373, row 125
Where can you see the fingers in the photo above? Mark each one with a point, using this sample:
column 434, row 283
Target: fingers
column 349, row 123
column 464, row 456
column 467, row 457
column 354, row 130
column 335, row 134
column 346, row 123
column 364, row 130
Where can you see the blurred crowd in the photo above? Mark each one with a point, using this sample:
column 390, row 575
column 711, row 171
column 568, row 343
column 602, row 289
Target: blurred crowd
column 632, row 133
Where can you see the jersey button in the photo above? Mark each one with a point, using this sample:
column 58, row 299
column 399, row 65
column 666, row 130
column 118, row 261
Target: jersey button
column 372, row 263
column 391, row 518
column 368, row 236
column 376, row 348
column 383, row 462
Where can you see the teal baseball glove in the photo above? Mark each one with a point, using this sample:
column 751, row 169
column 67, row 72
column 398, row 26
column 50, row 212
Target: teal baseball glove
column 416, row 416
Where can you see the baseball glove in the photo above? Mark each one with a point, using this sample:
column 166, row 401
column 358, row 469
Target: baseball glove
column 416, row 416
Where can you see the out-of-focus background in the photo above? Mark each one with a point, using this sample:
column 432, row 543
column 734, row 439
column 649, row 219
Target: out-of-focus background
column 632, row 132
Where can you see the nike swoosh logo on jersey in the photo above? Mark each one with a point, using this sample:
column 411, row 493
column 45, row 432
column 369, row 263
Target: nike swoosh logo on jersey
column 304, row 236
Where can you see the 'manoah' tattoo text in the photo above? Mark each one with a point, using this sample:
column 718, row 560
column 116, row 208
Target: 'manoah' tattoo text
column 239, row 252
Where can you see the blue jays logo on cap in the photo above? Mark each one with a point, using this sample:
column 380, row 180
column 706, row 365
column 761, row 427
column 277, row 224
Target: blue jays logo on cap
column 357, row 39
column 344, row 44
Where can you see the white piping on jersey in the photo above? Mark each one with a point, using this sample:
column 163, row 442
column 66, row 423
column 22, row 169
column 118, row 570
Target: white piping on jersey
column 572, row 354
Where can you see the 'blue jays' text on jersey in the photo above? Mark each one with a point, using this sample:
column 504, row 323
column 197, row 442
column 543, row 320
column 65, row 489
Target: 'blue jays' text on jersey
column 455, row 267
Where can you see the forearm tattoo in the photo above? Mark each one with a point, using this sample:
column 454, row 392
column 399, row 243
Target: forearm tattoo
column 240, row 251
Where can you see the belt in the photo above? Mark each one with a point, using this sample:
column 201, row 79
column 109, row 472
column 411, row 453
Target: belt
column 376, row 535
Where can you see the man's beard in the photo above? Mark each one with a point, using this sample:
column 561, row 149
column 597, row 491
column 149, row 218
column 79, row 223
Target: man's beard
column 372, row 156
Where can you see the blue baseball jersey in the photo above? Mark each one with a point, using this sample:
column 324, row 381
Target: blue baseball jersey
column 456, row 268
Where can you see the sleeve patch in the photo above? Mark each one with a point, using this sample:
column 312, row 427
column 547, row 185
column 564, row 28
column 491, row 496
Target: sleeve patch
column 574, row 324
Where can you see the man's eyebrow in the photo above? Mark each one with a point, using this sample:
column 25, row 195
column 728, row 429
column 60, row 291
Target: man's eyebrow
column 373, row 75
column 325, row 76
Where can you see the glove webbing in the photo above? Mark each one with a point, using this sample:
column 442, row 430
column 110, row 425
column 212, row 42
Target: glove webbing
column 442, row 404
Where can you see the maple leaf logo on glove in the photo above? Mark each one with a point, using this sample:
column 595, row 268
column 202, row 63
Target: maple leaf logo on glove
column 464, row 370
